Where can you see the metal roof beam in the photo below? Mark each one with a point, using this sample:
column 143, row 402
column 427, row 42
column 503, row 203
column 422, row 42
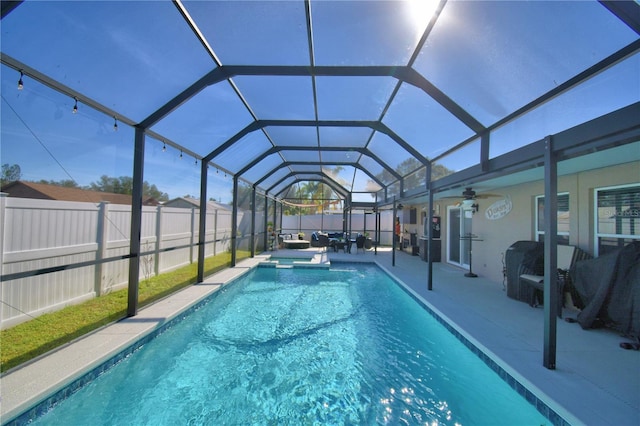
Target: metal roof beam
column 317, row 163
column 276, row 149
column 327, row 181
column 330, row 180
column 9, row 5
column 607, row 62
column 261, row 124
column 411, row 76
column 627, row 11
column 614, row 129
column 212, row 77
column 253, row 126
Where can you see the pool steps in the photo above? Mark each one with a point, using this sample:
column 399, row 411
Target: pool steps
column 317, row 261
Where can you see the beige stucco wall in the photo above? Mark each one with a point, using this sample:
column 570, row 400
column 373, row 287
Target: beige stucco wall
column 498, row 235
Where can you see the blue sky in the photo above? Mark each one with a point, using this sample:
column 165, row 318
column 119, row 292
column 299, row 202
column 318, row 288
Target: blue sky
column 113, row 53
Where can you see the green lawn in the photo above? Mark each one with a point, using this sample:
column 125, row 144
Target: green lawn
column 33, row 338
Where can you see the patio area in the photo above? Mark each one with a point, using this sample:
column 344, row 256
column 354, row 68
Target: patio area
column 596, row 382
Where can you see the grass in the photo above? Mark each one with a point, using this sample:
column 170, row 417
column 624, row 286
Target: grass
column 30, row 339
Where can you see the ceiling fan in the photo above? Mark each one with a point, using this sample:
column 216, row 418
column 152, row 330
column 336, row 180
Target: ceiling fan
column 469, row 196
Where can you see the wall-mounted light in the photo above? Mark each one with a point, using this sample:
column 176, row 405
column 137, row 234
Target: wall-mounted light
column 470, row 204
column 400, row 206
column 20, row 82
column 466, row 204
column 75, row 106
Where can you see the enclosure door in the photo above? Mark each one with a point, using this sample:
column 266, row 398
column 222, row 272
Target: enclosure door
column 458, row 224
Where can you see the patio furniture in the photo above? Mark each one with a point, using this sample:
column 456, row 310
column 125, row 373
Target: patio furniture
column 513, row 259
column 567, row 256
column 323, row 241
column 339, row 244
column 360, row 239
column 296, row 244
column 608, row 290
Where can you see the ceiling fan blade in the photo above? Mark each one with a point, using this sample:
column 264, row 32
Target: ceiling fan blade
column 488, row 196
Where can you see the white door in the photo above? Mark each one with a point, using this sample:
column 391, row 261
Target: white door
column 458, row 225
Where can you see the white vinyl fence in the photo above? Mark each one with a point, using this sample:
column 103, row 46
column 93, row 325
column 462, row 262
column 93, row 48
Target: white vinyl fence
column 74, row 239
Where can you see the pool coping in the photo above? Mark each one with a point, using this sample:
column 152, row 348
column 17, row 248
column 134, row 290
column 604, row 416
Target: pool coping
column 317, row 261
column 147, row 326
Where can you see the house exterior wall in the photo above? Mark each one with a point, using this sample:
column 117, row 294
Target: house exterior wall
column 519, row 224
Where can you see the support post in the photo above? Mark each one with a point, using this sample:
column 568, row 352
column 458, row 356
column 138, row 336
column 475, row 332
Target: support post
column 266, row 236
column 429, row 226
column 376, row 218
column 550, row 253
column 484, row 151
column 393, row 232
column 253, row 222
column 234, row 221
column 136, row 223
column 430, row 242
column 202, row 221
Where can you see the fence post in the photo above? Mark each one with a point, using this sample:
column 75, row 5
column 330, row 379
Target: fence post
column 193, row 241
column 101, row 253
column 158, row 245
column 215, row 232
column 3, row 210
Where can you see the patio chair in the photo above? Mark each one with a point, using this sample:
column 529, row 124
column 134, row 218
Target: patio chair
column 323, row 241
column 567, row 256
column 360, row 239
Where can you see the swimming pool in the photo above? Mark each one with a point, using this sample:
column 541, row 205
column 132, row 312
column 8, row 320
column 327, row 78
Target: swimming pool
column 289, row 346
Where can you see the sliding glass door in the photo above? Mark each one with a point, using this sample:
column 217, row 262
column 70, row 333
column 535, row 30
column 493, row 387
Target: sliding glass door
column 458, row 225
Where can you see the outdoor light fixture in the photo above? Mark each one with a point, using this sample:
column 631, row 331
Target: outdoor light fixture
column 196, row 163
column 20, row 83
column 466, row 204
column 180, row 153
column 400, row 206
column 115, row 124
column 469, row 204
column 75, row 106
column 164, row 146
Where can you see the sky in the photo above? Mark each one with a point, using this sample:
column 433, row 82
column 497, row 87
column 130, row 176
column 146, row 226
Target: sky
column 113, row 53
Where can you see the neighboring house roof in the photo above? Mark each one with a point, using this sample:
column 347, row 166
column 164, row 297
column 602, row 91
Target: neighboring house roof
column 43, row 191
column 188, row 202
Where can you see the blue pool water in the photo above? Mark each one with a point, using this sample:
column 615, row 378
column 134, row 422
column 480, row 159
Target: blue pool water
column 300, row 346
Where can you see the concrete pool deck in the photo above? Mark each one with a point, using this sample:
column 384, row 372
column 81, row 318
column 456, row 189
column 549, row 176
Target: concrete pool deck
column 595, row 381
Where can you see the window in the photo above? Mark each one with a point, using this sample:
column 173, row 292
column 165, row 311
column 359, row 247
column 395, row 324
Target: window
column 563, row 218
column 618, row 217
column 413, row 216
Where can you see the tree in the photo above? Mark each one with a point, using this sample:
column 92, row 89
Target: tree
column 124, row 185
column 10, row 173
column 408, row 170
column 67, row 183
